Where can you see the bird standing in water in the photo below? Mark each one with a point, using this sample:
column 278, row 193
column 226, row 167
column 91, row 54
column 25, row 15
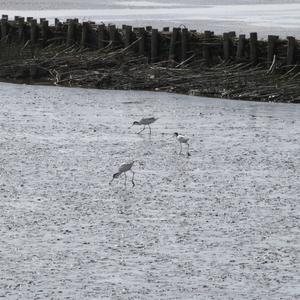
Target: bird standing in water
column 123, row 169
column 145, row 122
column 182, row 140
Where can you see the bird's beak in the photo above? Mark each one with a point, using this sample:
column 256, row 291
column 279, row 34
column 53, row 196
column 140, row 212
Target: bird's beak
column 130, row 126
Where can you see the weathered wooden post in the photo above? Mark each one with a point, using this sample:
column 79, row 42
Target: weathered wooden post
column 29, row 19
column 241, row 46
column 21, row 30
column 44, row 31
column 112, row 31
column 173, row 42
column 101, row 34
column 205, row 50
column 5, row 17
column 4, row 28
column 84, row 33
column 128, row 36
column 253, row 48
column 232, row 34
column 291, row 50
column 71, row 32
column 227, row 46
column 142, row 40
column 272, row 47
column 154, row 45
column 33, row 31
column 149, row 28
column 184, row 43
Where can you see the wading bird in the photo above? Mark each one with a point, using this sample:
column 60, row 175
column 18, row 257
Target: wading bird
column 144, row 121
column 182, row 140
column 123, row 169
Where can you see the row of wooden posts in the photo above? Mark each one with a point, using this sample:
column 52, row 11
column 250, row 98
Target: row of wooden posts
column 180, row 44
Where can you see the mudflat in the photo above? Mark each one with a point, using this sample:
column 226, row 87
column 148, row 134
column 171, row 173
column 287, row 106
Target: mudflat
column 221, row 224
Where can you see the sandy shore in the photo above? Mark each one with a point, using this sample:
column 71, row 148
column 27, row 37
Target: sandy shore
column 223, row 224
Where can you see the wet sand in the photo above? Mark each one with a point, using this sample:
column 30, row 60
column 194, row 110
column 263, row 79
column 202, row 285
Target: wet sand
column 222, row 224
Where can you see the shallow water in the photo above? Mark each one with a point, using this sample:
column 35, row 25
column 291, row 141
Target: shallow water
column 265, row 17
column 222, row 224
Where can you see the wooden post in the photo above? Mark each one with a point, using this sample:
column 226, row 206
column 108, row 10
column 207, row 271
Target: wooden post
column 226, row 46
column 148, row 28
column 154, row 45
column 101, row 34
column 253, row 48
column 29, row 19
column 4, row 28
column 84, row 33
column 142, row 37
column 21, row 30
column 112, row 30
column 184, row 43
column 33, row 31
column 71, row 33
column 241, row 46
column 205, row 50
column 56, row 22
column 291, row 50
column 128, row 36
column 232, row 34
column 272, row 47
column 166, row 29
column 44, row 31
column 173, row 42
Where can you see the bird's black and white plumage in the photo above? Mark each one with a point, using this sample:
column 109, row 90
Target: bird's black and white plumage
column 122, row 170
column 182, row 140
column 145, row 122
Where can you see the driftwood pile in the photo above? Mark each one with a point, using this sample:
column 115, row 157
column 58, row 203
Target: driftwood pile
column 121, row 68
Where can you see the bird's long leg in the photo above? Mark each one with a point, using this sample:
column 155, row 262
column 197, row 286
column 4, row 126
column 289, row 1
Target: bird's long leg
column 132, row 180
column 180, row 148
column 125, row 178
column 188, row 150
column 149, row 129
column 141, row 130
column 111, row 181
